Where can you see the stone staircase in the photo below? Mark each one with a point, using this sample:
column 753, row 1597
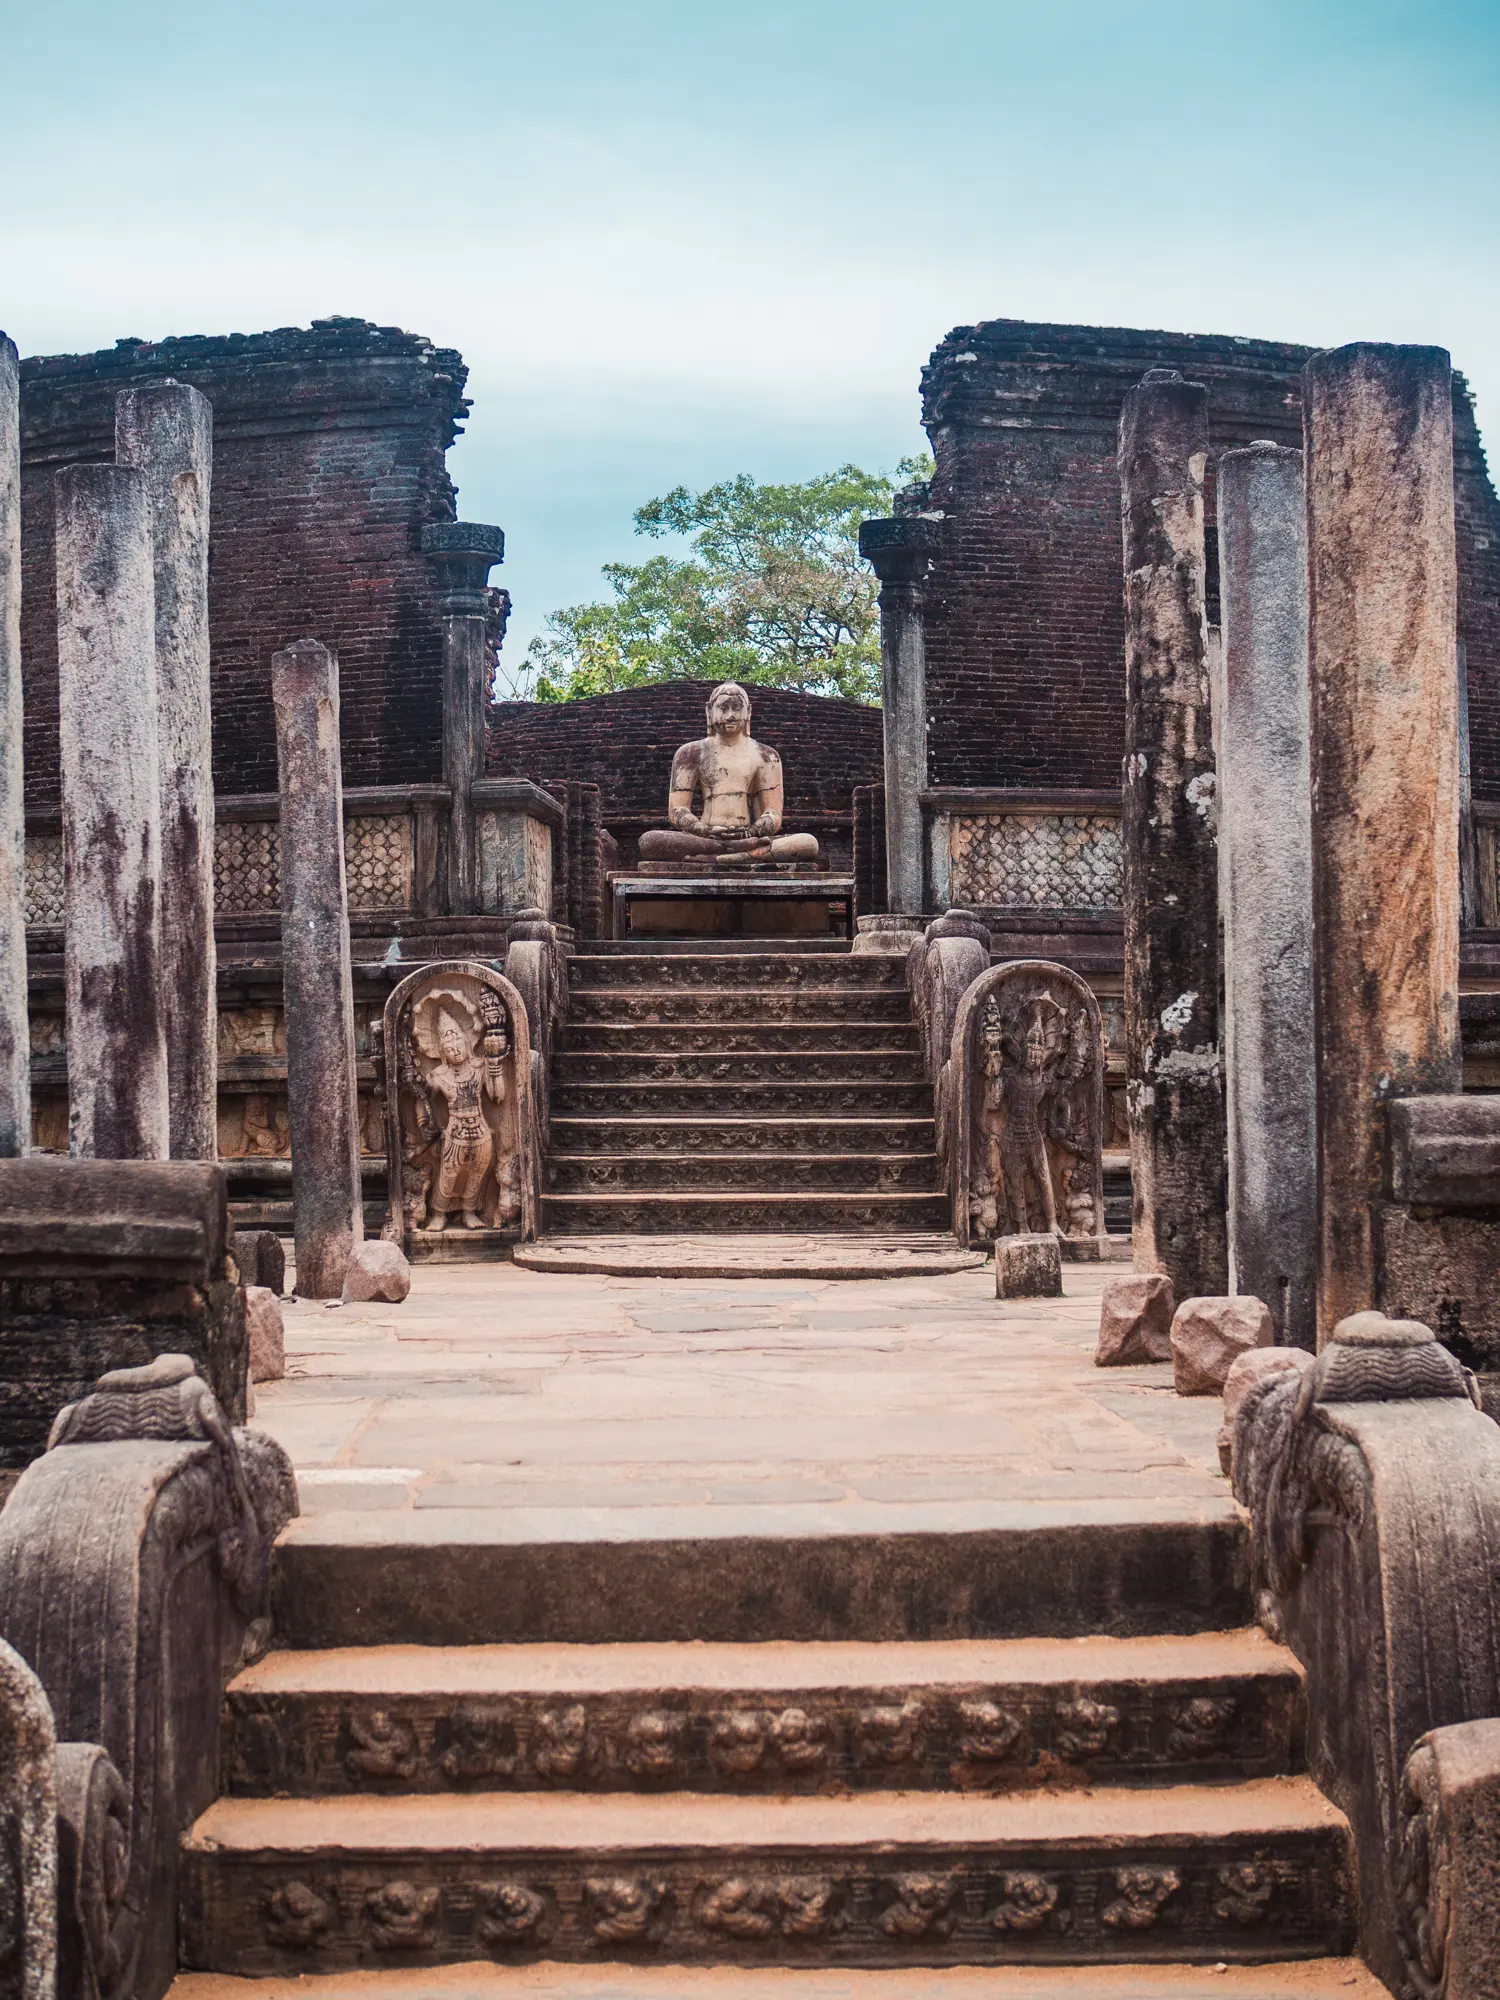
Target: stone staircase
column 490, row 1753
column 739, row 1091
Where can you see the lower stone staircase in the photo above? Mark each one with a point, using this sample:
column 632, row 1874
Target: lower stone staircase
column 744, row 1091
column 1037, row 1750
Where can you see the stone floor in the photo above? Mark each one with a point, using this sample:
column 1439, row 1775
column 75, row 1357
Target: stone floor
column 828, row 1402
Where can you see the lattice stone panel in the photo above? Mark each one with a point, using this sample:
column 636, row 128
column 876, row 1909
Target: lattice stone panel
column 247, row 865
column 1058, row 861
column 377, row 860
column 44, row 878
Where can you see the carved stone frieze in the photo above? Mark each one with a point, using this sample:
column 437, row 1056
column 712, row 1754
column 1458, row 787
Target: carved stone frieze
column 627, row 1909
column 920, row 1906
column 381, row 1747
column 477, row 1744
column 510, row 1913
column 1243, row 1891
column 889, row 1736
column 1084, row 1728
column 1036, row 860
column 561, row 1747
column 296, row 1916
column 653, row 1743
column 1141, row 1894
column 991, row 1734
column 1027, row 1900
column 402, row 1916
column 1023, row 1106
column 1200, row 1727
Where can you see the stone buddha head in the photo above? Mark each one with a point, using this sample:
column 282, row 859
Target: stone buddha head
column 728, row 711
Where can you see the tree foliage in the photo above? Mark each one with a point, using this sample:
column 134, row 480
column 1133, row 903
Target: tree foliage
column 773, row 590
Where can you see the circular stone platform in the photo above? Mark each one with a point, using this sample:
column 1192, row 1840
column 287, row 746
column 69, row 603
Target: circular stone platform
column 750, row 1256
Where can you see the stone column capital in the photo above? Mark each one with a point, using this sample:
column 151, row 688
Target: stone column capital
column 463, row 554
column 901, row 551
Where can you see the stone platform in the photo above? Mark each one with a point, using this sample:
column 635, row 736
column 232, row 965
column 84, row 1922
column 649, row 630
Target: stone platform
column 771, row 1256
column 757, row 901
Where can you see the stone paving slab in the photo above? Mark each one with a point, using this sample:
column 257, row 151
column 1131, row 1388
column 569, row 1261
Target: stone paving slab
column 729, row 1256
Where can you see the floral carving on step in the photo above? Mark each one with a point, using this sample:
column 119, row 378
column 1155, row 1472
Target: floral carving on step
column 990, row 1734
column 653, row 1741
column 1026, row 1902
column 921, row 1906
column 560, row 1746
column 481, row 1744
column 1084, row 1728
column 509, row 1913
column 1199, row 1726
column 296, row 1916
column 801, row 1740
column 737, row 1742
column 625, row 1909
column 1243, row 1892
column 382, row 1746
column 889, row 1735
column 401, row 1916
column 1141, row 1894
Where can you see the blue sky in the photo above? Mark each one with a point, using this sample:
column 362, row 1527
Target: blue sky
column 677, row 240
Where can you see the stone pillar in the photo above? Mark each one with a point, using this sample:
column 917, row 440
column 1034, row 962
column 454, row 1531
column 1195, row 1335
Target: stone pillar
column 106, row 661
column 1265, row 841
column 1382, row 612
column 464, row 552
column 1175, row 1080
column 15, row 1034
column 165, row 429
column 901, row 551
column 322, row 1095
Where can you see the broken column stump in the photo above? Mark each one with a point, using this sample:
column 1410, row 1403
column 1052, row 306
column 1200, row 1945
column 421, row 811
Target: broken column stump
column 1382, row 606
column 165, row 430
column 106, row 660
column 1265, row 842
column 15, row 1034
column 1028, row 1267
column 1175, row 1080
column 322, row 1096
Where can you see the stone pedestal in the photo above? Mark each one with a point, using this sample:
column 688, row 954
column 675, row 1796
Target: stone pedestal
column 1382, row 583
column 901, row 550
column 327, row 1217
column 1265, row 841
column 1175, row 1088
column 106, row 659
column 15, row 1037
column 165, row 429
column 463, row 553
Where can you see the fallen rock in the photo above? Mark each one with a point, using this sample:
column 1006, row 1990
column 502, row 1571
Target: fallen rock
column 266, row 1333
column 1135, row 1320
column 261, row 1258
column 1209, row 1336
column 1028, row 1267
column 377, row 1270
column 1253, row 1366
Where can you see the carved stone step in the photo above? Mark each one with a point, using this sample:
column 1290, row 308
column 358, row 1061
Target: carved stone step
column 1255, row 1871
column 703, row 1137
column 623, row 1007
column 725, row 1173
column 847, row 1570
column 989, row 1715
column 748, row 1100
column 767, row 970
column 685, row 1214
column 733, row 1066
column 648, row 1038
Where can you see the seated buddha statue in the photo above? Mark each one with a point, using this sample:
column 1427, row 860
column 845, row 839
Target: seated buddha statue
column 740, row 783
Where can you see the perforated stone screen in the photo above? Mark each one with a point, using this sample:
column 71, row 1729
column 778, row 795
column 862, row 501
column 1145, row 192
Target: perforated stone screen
column 1062, row 861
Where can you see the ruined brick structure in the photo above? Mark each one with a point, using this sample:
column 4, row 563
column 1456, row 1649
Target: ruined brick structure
column 329, row 458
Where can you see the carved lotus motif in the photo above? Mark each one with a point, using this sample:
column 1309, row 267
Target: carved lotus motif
column 991, row 1734
column 889, row 1735
column 1243, row 1892
column 1084, row 1727
column 297, row 1916
column 1141, row 1895
column 481, row 1744
column 625, row 1909
column 1026, row 1902
column 801, row 1740
column 510, row 1913
column 737, row 1742
column 383, row 1746
column 921, row 1907
column 401, row 1916
column 652, row 1742
column 1199, row 1727
column 561, row 1743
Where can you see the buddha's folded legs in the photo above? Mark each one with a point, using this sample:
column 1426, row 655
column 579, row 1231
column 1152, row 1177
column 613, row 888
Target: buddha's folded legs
column 660, row 845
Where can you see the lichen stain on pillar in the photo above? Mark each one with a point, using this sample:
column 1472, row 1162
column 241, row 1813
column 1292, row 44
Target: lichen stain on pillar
column 15, row 1043
column 1382, row 608
column 1175, row 1076
column 327, row 1215
column 106, row 650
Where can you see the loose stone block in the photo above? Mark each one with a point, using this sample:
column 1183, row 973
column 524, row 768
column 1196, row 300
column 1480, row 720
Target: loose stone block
column 15, row 1039
column 1265, row 846
column 261, row 1259
column 106, row 658
column 1175, row 1081
column 1028, row 1267
column 265, row 1330
column 1135, row 1320
column 1245, row 1371
column 377, row 1270
column 1378, row 431
column 322, row 1103
column 1209, row 1336
column 165, row 429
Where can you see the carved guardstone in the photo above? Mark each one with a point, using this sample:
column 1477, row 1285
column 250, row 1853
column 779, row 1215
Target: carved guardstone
column 105, row 1264
column 1027, row 1106
column 459, row 1121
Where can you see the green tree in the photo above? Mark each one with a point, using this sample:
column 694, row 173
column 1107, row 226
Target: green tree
column 773, row 590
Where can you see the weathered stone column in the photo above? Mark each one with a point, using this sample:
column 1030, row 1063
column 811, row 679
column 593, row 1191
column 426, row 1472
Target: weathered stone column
column 15, row 1035
column 901, row 552
column 1175, row 1080
column 1382, row 610
column 317, row 981
column 1265, row 842
column 464, row 553
column 106, row 661
column 165, row 429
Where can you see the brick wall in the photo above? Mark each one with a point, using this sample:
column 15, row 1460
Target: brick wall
column 1025, row 623
column 329, row 452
